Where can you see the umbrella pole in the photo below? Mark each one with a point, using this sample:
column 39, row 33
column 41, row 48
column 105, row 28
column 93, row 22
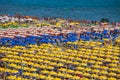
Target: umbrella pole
column 4, row 72
column 66, row 45
column 21, row 69
column 111, row 43
column 105, row 43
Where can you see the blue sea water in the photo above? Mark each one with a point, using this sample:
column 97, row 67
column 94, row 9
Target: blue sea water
column 75, row 9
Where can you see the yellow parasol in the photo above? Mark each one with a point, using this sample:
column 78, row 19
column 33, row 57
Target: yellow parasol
column 70, row 71
column 95, row 71
column 58, row 24
column 42, row 76
column 30, row 63
column 34, row 75
column 14, row 71
column 62, row 69
column 75, row 63
column 53, row 73
column 60, row 74
column 57, row 79
column 84, row 79
column 45, row 72
column 20, row 78
column 86, row 74
column 78, row 72
column 113, row 69
column 112, row 78
column 12, row 65
column 75, row 77
column 32, row 69
column 113, row 65
column 38, row 24
column 103, row 72
column 83, row 64
column 50, row 67
column 94, row 76
column 26, row 73
column 104, row 67
column 26, row 68
column 8, row 70
column 11, row 77
column 2, row 69
column 87, row 69
column 112, row 74
column 5, row 59
column 96, row 66
column 102, row 77
column 108, row 60
column 49, row 78
column 60, row 64
column 36, row 65
column 69, row 62
column 68, row 76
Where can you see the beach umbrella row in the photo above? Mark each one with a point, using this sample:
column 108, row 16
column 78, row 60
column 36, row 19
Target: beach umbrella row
column 5, row 18
column 48, row 61
column 53, row 35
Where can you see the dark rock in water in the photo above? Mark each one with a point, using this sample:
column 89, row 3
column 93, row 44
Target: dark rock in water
column 105, row 20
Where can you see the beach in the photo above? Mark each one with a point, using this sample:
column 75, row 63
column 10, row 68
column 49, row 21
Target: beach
column 65, row 40
column 37, row 48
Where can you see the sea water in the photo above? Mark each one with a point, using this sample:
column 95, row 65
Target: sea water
column 75, row 9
